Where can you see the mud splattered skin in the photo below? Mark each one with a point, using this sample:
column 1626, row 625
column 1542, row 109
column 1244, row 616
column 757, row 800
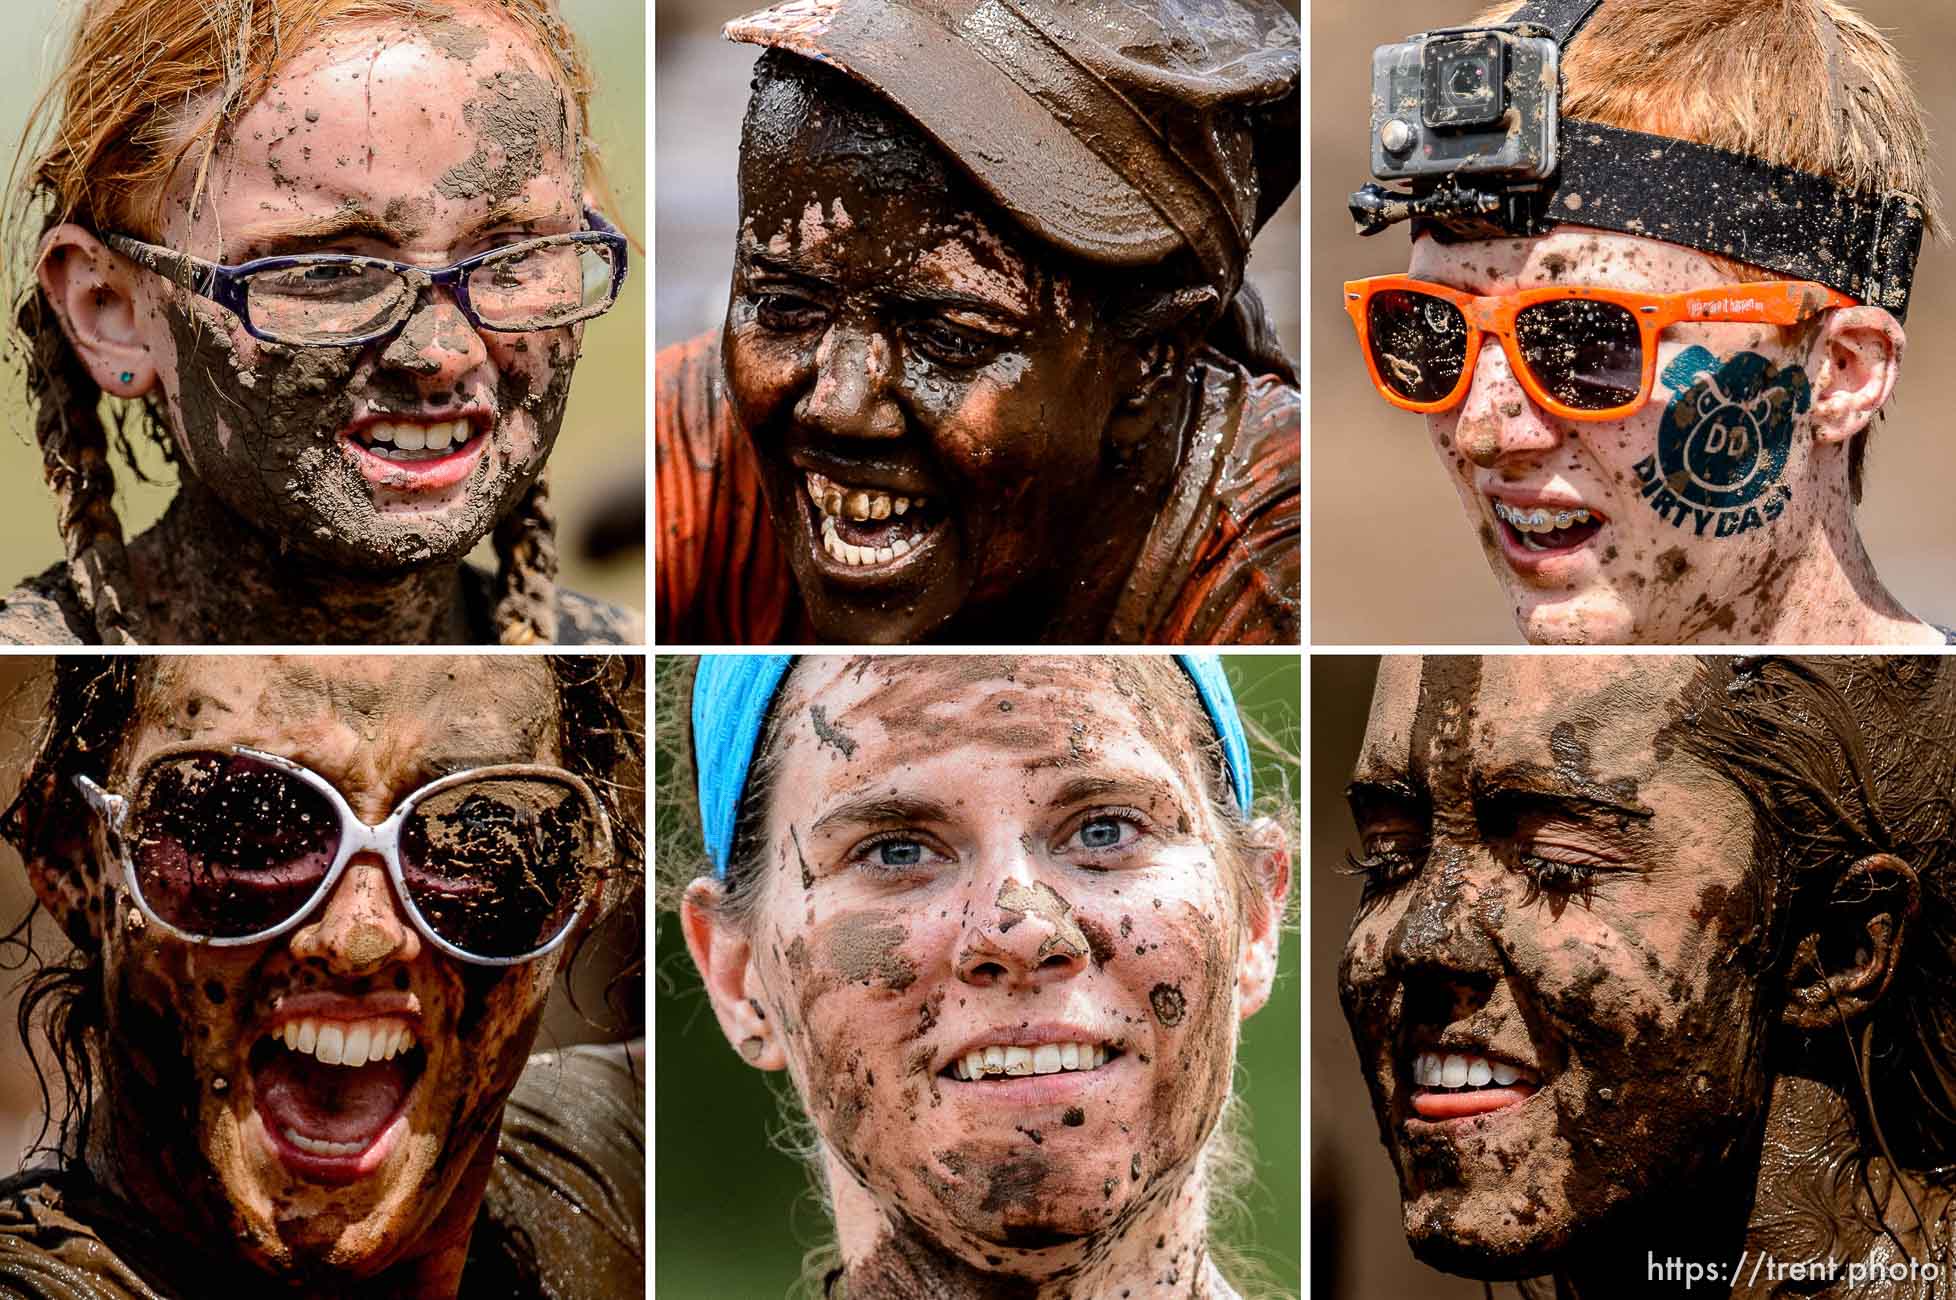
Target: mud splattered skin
column 1796, row 572
column 893, row 333
column 179, row 1129
column 391, row 141
column 1554, row 883
column 954, row 871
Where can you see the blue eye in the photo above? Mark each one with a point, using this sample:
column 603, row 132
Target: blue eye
column 1101, row 833
column 899, row 853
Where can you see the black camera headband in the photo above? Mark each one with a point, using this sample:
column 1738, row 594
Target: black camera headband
column 1729, row 204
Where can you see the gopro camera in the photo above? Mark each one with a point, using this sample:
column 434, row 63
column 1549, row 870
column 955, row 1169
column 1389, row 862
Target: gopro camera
column 1466, row 101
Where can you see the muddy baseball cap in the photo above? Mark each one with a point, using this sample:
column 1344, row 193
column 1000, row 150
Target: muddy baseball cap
column 1119, row 130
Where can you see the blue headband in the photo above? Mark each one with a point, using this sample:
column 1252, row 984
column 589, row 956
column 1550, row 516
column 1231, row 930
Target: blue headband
column 731, row 695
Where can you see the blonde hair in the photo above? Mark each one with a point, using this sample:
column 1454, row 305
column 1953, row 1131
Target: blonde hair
column 146, row 88
column 1809, row 84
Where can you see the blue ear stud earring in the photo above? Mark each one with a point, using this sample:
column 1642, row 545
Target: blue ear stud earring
column 128, row 375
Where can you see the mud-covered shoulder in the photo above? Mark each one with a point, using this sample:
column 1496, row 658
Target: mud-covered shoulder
column 584, row 621
column 44, row 610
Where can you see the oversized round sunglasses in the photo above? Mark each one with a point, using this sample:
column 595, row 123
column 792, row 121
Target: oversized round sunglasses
column 232, row 845
column 343, row 300
column 1580, row 352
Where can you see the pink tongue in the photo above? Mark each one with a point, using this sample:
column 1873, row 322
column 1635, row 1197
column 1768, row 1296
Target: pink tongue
column 1475, row 1101
column 329, row 1103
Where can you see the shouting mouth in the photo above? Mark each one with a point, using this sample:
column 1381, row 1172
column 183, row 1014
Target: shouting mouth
column 333, row 1094
column 868, row 532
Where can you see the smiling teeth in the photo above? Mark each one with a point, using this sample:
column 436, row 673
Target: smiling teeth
column 418, row 437
column 1538, row 520
column 1047, row 1058
column 850, row 553
column 1464, row 1070
column 838, row 501
column 348, row 1043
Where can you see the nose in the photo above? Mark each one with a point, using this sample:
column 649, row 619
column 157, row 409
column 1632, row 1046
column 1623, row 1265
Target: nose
column 360, row 930
column 436, row 344
column 1446, row 933
column 1498, row 420
column 851, row 397
column 1019, row 933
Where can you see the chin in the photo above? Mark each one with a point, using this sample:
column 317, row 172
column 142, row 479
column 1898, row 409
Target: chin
column 1581, row 619
column 1482, row 1239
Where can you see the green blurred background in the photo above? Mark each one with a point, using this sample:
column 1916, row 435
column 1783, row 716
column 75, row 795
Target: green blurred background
column 733, row 1217
column 598, row 468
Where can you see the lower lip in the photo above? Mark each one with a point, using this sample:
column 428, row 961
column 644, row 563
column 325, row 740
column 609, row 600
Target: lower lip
column 417, row 475
column 338, row 1169
column 894, row 570
column 1031, row 1089
column 1440, row 1107
column 1553, row 563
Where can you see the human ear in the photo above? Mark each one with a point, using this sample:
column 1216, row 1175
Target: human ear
column 1157, row 330
column 726, row 964
column 1264, row 907
column 1842, row 965
column 93, row 293
column 1856, row 360
column 64, row 868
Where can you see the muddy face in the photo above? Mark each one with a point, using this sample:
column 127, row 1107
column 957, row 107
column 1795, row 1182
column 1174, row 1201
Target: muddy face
column 929, row 400
column 1705, row 498
column 420, row 145
column 203, row 1093
column 1001, row 950
column 1553, row 977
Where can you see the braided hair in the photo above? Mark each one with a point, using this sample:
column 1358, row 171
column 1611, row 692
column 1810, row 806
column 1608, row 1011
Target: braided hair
column 115, row 130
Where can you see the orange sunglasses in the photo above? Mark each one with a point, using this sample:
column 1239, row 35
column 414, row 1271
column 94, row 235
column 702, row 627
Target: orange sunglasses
column 1580, row 353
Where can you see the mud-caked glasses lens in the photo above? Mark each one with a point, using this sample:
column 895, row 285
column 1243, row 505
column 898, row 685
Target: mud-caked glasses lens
column 1586, row 354
column 532, row 286
column 1418, row 343
column 226, row 846
column 500, row 865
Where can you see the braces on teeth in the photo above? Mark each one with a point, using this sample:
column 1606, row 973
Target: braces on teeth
column 1538, row 520
column 1047, row 1058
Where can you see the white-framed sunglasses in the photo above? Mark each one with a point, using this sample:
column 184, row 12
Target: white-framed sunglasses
column 228, row 845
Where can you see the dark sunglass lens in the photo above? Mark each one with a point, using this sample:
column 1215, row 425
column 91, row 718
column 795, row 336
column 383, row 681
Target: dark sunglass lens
column 1588, row 355
column 226, row 846
column 498, row 865
column 1419, row 343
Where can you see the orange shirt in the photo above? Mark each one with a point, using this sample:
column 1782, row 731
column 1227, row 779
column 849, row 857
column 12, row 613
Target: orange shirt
column 1221, row 565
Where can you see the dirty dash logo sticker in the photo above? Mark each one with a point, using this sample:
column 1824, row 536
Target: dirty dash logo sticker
column 1723, row 442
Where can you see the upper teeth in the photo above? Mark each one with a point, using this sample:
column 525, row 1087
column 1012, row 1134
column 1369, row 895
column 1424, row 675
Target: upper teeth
column 419, row 437
column 1047, row 1058
column 346, row 1042
column 1462, row 1070
column 833, row 499
column 1539, row 520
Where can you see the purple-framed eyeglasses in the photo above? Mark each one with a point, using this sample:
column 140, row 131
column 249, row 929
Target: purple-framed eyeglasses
column 344, row 300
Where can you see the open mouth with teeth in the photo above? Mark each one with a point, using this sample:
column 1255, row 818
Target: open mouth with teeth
column 411, row 444
column 867, row 528
column 1455, row 1085
column 1542, row 529
column 333, row 1094
column 1000, row 1062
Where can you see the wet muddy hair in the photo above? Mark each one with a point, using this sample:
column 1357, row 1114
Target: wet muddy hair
column 789, row 90
column 120, row 119
column 1803, row 83
column 1842, row 757
column 93, row 700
